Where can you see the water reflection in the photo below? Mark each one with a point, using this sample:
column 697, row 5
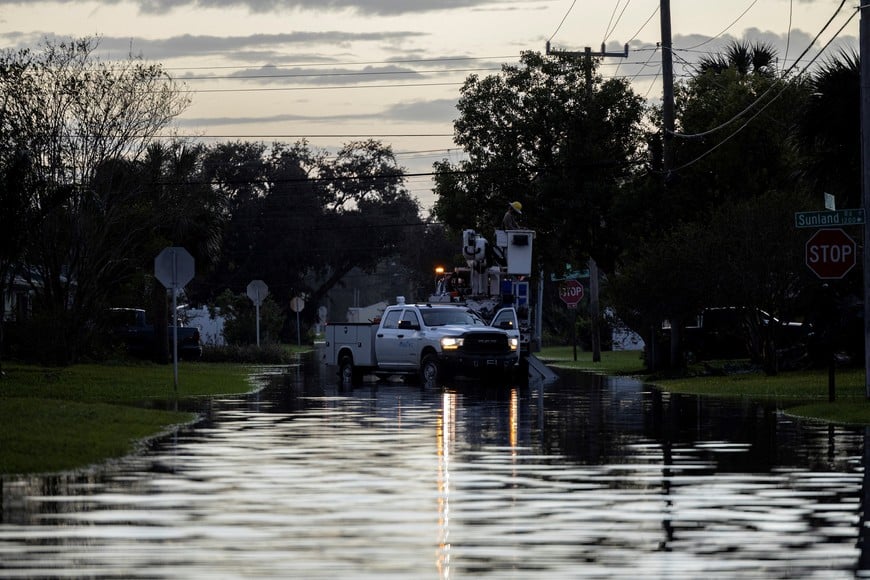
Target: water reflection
column 590, row 477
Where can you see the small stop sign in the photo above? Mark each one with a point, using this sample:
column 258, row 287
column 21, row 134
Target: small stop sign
column 830, row 253
column 571, row 292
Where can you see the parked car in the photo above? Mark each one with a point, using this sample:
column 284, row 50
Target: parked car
column 130, row 326
column 734, row 332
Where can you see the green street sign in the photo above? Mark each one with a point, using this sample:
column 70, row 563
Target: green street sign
column 825, row 219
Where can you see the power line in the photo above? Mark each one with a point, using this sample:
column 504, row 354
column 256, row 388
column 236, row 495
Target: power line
column 610, row 28
column 771, row 101
column 324, row 88
column 558, row 28
column 639, row 30
column 736, row 20
column 352, row 63
column 759, row 99
column 336, row 74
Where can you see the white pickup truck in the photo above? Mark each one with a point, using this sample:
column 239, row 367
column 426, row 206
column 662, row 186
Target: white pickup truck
column 431, row 341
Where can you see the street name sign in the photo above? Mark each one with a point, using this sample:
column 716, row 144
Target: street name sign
column 821, row 219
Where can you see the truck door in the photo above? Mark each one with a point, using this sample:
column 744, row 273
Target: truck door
column 411, row 339
column 506, row 319
column 397, row 340
column 386, row 339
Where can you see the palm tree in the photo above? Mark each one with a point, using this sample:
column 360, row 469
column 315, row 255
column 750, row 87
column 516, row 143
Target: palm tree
column 184, row 210
column 829, row 133
column 746, row 58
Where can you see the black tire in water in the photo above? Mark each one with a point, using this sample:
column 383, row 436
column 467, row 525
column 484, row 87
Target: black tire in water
column 430, row 371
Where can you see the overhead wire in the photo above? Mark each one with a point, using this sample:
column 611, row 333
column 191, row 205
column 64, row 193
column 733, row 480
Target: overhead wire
column 650, row 17
column 610, row 28
column 558, row 28
column 788, row 32
column 770, row 89
column 770, row 102
column 727, row 28
column 352, row 63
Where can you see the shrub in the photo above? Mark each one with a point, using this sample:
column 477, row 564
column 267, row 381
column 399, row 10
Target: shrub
column 248, row 354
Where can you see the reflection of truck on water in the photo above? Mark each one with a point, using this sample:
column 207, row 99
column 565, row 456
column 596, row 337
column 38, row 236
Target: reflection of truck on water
column 431, row 341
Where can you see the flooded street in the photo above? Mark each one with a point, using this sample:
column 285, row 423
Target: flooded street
column 587, row 477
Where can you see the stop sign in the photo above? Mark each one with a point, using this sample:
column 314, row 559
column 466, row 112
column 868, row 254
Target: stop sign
column 174, row 267
column 257, row 292
column 571, row 292
column 830, row 253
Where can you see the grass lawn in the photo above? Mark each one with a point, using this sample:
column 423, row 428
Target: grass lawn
column 54, row 419
column 801, row 393
column 618, row 362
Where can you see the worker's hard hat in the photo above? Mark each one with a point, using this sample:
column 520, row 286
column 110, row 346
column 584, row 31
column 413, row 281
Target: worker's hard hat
column 518, row 207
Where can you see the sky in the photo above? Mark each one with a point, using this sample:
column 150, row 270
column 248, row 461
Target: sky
column 335, row 71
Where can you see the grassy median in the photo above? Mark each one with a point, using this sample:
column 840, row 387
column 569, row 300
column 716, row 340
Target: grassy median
column 801, row 393
column 55, row 419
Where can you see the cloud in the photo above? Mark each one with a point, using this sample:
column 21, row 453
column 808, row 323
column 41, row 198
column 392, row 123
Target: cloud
column 437, row 110
column 363, row 7
column 253, row 48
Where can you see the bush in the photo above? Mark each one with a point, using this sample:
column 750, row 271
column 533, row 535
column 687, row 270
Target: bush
column 248, row 354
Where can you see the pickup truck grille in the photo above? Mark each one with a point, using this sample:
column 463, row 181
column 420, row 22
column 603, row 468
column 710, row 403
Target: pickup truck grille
column 485, row 343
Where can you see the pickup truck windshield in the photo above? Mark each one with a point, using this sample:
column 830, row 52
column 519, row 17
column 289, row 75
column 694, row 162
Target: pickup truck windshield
column 445, row 316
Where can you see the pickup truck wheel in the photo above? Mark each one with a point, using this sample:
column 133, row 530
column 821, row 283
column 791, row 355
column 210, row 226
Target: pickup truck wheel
column 430, row 371
column 347, row 375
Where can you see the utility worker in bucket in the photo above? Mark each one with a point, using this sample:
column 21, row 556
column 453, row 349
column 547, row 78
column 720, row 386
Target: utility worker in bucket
column 509, row 222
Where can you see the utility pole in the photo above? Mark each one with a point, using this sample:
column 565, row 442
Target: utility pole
column 594, row 306
column 668, row 142
column 865, row 178
column 667, row 88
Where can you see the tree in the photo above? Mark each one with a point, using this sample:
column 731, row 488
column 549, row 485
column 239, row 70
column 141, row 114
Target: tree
column 301, row 219
column 542, row 134
column 83, row 117
column 734, row 154
column 180, row 209
column 829, row 130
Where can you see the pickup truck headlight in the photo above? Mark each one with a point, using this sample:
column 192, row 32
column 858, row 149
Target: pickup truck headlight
column 514, row 342
column 451, row 343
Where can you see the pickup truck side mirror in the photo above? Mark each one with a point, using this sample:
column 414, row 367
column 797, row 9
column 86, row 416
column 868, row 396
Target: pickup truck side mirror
column 408, row 325
column 506, row 325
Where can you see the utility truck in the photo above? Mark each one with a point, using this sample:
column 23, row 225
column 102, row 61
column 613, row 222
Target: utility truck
column 431, row 341
column 495, row 276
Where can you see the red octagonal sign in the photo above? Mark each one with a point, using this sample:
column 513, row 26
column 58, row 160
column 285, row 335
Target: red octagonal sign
column 830, row 253
column 571, row 292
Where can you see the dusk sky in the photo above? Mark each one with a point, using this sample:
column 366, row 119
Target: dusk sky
column 334, row 71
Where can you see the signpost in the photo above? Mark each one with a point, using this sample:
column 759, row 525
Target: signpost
column 571, row 292
column 830, row 253
column 174, row 268
column 297, row 303
column 257, row 292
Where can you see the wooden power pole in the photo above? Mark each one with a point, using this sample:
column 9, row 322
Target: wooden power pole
column 594, row 305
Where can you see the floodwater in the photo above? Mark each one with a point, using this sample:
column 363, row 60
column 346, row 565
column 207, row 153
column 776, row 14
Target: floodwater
column 588, row 477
